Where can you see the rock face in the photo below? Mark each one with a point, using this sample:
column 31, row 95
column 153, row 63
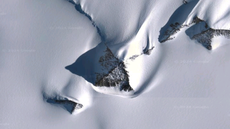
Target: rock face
column 203, row 34
column 205, row 37
column 116, row 76
column 175, row 28
column 168, row 35
column 101, row 68
column 148, row 51
column 63, row 102
column 197, row 30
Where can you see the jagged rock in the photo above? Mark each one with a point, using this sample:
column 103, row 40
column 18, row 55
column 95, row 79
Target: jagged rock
column 198, row 30
column 108, row 61
column 116, row 76
column 168, row 35
column 63, row 102
column 134, row 57
column 206, row 33
column 176, row 27
column 148, row 51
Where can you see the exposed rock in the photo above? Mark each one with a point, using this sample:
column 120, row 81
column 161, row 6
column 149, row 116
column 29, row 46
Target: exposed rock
column 116, row 76
column 205, row 37
column 176, row 27
column 168, row 35
column 207, row 34
column 203, row 34
column 108, row 61
column 63, row 102
column 134, row 57
column 148, row 51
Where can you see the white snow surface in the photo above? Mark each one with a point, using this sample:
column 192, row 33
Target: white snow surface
column 180, row 85
column 214, row 12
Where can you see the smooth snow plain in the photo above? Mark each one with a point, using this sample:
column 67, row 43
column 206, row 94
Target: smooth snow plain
column 180, row 85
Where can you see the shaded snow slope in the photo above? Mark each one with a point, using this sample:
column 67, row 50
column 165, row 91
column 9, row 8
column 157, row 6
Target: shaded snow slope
column 106, row 69
column 123, row 30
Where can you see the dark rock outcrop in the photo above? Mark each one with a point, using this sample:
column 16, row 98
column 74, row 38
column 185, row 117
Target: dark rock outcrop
column 175, row 28
column 206, row 34
column 198, row 30
column 148, row 51
column 116, row 75
column 63, row 102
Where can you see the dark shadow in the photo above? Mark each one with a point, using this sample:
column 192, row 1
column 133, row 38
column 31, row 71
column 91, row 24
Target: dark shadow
column 177, row 18
column 62, row 102
column 90, row 65
column 202, row 33
column 86, row 65
column 148, row 49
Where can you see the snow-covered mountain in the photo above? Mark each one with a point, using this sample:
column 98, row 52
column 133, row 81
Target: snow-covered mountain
column 114, row 64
